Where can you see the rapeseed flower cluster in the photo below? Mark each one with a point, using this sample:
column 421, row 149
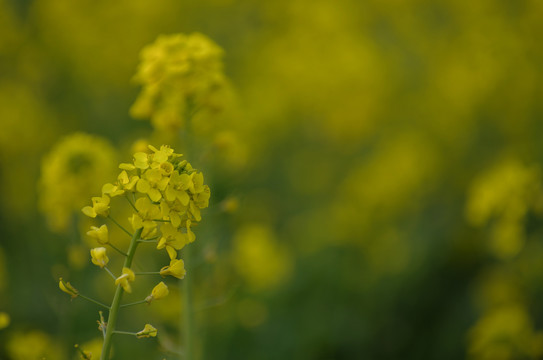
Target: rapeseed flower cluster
column 167, row 195
column 180, row 74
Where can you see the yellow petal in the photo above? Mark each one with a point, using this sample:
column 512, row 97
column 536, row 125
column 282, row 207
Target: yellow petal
column 143, row 186
column 89, row 211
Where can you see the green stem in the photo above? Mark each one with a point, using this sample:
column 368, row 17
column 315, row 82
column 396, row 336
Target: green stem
column 134, row 303
column 187, row 314
column 113, row 312
column 148, row 273
column 119, row 225
column 110, row 273
column 117, row 249
column 124, row 332
column 131, row 203
column 93, row 301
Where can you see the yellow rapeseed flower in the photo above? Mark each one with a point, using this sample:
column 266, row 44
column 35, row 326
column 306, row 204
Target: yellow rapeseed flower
column 175, row 269
column 101, row 234
column 100, row 206
column 125, row 279
column 159, row 291
column 99, row 256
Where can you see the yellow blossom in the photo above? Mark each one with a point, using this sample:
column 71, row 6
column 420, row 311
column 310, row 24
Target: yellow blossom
column 126, row 182
column 126, row 166
column 175, row 269
column 171, row 240
column 150, row 229
column 146, row 209
column 100, row 206
column 148, row 331
column 136, row 221
column 160, row 291
column 189, row 236
column 99, row 256
column 112, row 190
column 125, row 279
column 141, row 160
column 68, row 288
column 101, row 234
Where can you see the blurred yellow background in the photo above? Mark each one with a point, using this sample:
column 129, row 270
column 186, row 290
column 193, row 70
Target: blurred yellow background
column 375, row 171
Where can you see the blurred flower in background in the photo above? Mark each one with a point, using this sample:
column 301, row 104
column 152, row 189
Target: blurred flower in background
column 75, row 169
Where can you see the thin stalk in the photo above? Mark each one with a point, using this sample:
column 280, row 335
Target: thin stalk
column 120, row 226
column 115, row 305
column 134, row 303
column 93, row 301
column 110, row 273
column 131, row 203
column 148, row 273
column 187, row 313
column 125, row 332
column 187, row 316
column 117, row 249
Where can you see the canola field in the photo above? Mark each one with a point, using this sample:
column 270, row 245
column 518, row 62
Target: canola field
column 349, row 179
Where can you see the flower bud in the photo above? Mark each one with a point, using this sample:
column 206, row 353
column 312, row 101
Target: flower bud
column 160, row 291
column 99, row 256
column 68, row 288
column 147, row 331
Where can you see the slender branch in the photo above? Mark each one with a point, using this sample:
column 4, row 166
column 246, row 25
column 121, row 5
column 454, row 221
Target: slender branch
column 117, row 249
column 124, row 332
column 148, row 273
column 119, row 225
column 187, row 314
column 130, row 202
column 93, row 301
column 134, row 303
column 110, row 273
column 112, row 319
